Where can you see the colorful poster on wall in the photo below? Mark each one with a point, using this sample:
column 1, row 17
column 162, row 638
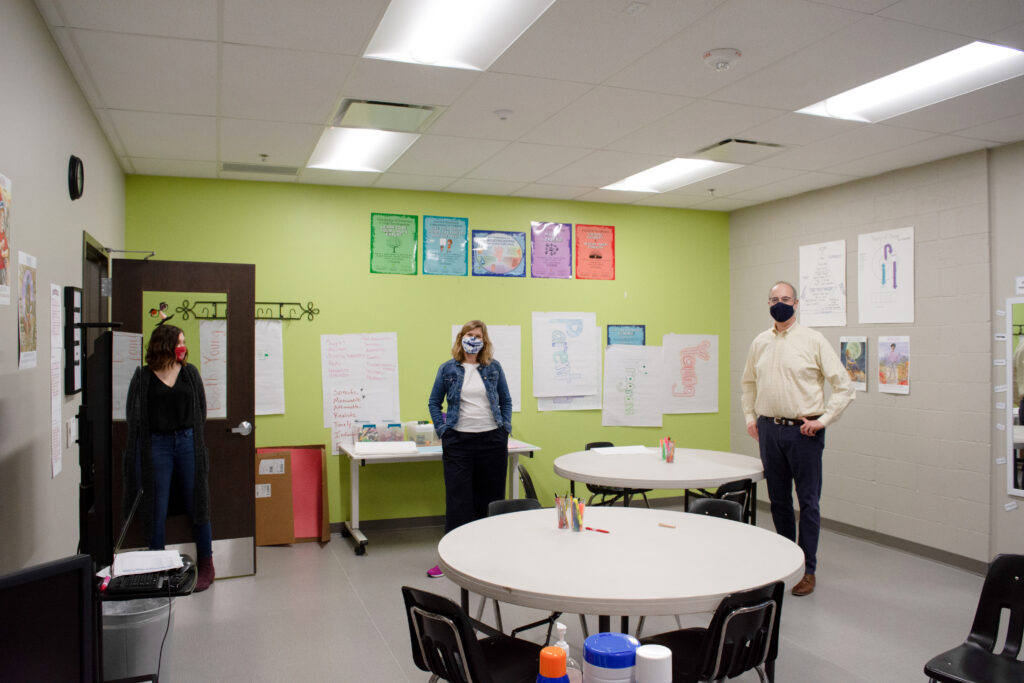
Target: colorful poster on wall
column 691, row 366
column 853, row 351
column 634, row 335
column 551, row 250
column 5, row 240
column 499, row 253
column 633, row 386
column 27, row 330
column 445, row 246
column 822, row 291
column 393, row 243
column 885, row 272
column 894, row 365
column 595, row 252
column 565, row 354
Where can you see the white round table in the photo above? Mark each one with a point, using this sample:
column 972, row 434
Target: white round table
column 652, row 562
column 692, row 468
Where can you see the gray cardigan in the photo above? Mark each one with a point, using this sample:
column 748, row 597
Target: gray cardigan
column 137, row 460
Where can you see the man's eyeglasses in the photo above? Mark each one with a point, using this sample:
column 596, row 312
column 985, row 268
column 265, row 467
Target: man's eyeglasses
column 788, row 300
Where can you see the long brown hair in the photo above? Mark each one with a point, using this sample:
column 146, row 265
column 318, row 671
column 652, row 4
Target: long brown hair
column 486, row 353
column 160, row 350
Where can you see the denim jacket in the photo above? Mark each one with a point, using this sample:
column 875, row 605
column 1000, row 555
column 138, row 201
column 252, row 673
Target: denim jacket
column 448, row 386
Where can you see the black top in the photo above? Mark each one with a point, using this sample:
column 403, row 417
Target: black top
column 170, row 408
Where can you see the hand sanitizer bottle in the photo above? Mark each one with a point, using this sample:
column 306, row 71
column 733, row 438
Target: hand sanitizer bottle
column 572, row 669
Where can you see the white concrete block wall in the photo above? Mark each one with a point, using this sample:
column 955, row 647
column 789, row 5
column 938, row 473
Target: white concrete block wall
column 915, row 467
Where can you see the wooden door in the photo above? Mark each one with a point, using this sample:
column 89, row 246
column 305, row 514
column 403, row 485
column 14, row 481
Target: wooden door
column 232, row 454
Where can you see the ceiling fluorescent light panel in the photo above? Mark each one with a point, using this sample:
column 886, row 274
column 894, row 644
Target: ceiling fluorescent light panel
column 671, row 175
column 459, row 34
column 966, row 69
column 359, row 149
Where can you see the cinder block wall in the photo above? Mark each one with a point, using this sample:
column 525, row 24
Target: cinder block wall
column 914, row 467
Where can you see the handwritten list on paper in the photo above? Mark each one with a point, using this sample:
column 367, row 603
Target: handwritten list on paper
column 823, row 284
column 213, row 349
column 359, row 374
column 126, row 358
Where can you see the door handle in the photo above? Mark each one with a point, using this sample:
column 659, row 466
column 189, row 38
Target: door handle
column 244, row 428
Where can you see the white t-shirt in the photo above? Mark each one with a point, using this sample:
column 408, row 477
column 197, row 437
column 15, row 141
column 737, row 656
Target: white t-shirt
column 474, row 409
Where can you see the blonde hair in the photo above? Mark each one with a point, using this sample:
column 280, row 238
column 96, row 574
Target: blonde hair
column 486, row 353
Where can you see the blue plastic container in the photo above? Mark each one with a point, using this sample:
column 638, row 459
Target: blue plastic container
column 609, row 658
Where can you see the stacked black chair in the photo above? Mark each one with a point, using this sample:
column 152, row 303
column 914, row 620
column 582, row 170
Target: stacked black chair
column 610, row 494
column 738, row 491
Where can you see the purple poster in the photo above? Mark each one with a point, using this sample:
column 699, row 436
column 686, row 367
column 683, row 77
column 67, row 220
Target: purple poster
column 551, row 250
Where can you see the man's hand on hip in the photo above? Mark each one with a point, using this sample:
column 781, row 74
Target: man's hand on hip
column 810, row 427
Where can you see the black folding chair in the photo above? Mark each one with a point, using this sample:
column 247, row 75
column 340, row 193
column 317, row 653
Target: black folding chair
column 610, row 494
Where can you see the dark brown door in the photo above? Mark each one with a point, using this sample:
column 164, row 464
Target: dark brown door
column 232, row 454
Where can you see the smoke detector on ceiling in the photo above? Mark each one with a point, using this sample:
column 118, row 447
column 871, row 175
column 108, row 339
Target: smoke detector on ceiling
column 722, row 58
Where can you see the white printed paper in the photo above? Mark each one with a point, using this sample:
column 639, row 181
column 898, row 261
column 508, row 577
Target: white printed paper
column 506, row 341
column 885, row 276
column 591, row 402
column 633, row 386
column 146, row 561
column 359, row 375
column 691, row 371
column 564, row 355
column 126, row 357
column 56, row 457
column 263, row 490
column 822, row 291
column 213, row 352
column 269, row 368
column 272, row 466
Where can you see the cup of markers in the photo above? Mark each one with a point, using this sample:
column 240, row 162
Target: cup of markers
column 561, row 504
column 570, row 512
column 668, row 449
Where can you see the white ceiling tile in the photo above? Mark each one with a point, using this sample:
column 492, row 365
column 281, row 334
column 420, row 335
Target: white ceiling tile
column 170, row 136
column 550, row 191
column 530, row 100
column 670, row 201
column 1012, row 36
column 589, row 40
column 1004, row 130
column 322, row 176
column 612, row 196
column 175, row 167
column 922, row 152
column 724, row 204
column 793, row 186
column 285, row 144
column 386, row 81
column 177, row 19
column 601, row 168
column 405, row 181
column 524, row 162
column 977, row 18
column 256, row 177
column 476, row 186
column 339, row 26
column 603, row 115
column 281, row 85
column 850, row 146
column 73, row 58
column 446, row 156
column 865, row 6
column 738, row 180
column 151, row 74
column 797, row 129
column 966, row 111
column 762, row 31
column 692, row 128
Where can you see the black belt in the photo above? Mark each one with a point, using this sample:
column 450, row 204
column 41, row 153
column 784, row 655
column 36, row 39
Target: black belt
column 790, row 421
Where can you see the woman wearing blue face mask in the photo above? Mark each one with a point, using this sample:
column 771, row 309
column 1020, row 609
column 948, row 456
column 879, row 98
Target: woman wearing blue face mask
column 474, row 432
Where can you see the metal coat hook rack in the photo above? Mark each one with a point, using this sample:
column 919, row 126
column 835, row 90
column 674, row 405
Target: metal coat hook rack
column 265, row 310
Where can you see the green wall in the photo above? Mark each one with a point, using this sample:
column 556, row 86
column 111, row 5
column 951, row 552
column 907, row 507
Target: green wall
column 311, row 243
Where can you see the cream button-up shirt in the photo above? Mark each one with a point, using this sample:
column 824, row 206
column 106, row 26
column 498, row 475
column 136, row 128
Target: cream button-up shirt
column 785, row 376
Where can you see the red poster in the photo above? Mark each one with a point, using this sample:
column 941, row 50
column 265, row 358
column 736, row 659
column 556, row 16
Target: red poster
column 595, row 252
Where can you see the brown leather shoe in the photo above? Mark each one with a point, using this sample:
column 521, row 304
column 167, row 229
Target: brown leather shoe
column 806, row 585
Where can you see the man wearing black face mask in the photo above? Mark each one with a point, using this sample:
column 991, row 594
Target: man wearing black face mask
column 785, row 409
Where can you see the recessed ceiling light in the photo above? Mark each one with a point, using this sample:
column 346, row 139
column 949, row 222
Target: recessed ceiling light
column 966, row 69
column 359, row 149
column 672, row 174
column 460, row 34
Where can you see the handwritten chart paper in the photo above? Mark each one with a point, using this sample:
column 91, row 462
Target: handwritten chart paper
column 213, row 350
column 592, row 402
column 564, row 354
column 633, row 388
column 691, row 370
column 269, row 368
column 126, row 357
column 823, row 284
column 507, row 343
column 885, row 272
column 359, row 374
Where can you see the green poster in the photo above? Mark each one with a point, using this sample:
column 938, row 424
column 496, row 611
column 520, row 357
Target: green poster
column 393, row 241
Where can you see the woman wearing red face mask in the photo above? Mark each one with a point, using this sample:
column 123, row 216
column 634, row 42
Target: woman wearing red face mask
column 166, row 454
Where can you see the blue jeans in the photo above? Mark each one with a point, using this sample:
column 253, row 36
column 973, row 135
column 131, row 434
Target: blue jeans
column 174, row 467
column 791, row 458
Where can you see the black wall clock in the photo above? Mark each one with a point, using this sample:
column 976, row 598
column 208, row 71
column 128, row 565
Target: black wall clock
column 76, row 177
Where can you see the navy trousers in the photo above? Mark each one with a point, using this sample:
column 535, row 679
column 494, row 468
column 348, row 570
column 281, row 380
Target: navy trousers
column 791, row 458
column 475, row 464
column 174, row 469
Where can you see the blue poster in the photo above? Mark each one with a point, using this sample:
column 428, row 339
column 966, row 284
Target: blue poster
column 445, row 246
column 634, row 335
column 499, row 253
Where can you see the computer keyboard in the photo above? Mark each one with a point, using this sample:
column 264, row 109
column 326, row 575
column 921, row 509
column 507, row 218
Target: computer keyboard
column 136, row 583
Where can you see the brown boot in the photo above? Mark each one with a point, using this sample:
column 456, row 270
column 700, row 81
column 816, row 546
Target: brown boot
column 806, row 585
column 206, row 574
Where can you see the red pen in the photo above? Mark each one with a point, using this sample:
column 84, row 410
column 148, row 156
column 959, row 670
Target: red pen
column 603, row 531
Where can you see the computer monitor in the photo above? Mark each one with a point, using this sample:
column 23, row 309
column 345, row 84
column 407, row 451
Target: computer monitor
column 49, row 623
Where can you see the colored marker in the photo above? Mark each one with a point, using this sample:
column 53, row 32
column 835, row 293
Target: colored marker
column 603, row 531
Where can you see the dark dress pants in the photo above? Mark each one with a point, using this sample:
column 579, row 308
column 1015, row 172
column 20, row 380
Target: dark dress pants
column 475, row 464
column 791, row 458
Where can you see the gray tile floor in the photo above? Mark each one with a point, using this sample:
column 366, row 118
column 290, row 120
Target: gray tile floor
column 323, row 614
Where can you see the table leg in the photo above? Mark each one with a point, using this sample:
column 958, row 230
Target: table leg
column 753, row 502
column 513, row 475
column 359, row 540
